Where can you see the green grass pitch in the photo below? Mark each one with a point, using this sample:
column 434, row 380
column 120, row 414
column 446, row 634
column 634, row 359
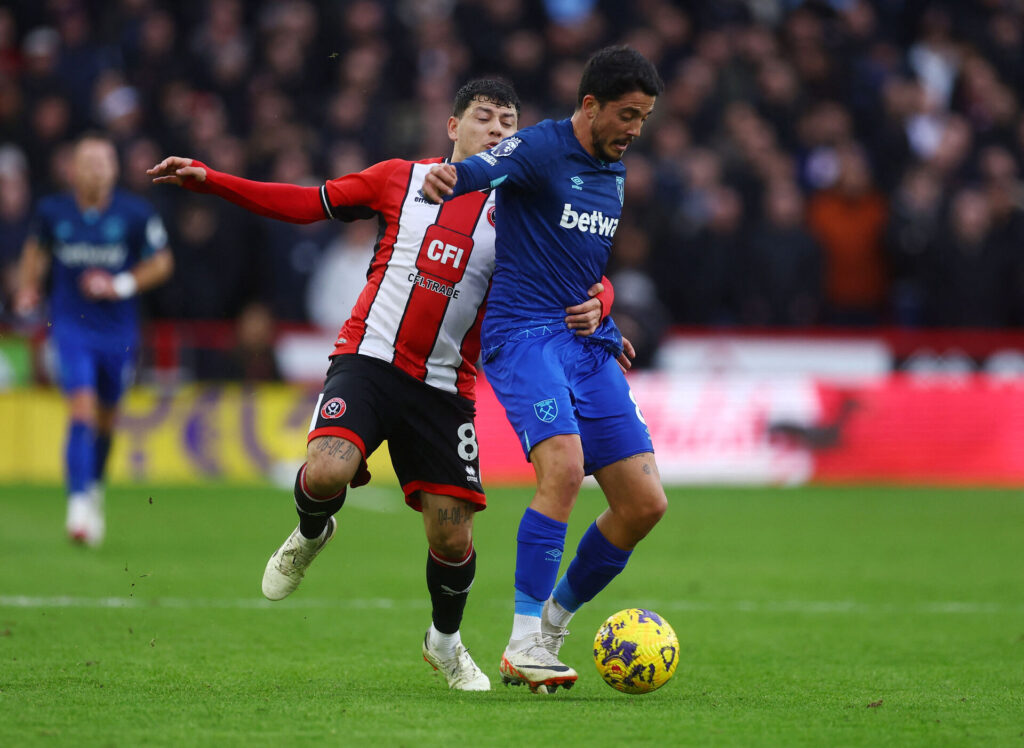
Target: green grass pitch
column 806, row 617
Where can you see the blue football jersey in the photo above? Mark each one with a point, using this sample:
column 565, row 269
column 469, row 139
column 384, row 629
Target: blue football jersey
column 556, row 212
column 114, row 239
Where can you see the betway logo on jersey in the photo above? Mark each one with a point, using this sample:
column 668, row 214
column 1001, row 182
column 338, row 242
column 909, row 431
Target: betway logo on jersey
column 594, row 222
column 98, row 255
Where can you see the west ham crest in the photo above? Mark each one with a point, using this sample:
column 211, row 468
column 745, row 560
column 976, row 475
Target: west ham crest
column 620, row 185
column 546, row 410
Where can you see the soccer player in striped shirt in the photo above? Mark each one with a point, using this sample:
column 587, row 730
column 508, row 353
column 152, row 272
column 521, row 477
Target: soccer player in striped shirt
column 403, row 366
column 560, row 194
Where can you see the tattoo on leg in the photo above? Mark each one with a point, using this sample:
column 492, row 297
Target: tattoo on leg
column 337, row 447
column 455, row 516
column 647, row 469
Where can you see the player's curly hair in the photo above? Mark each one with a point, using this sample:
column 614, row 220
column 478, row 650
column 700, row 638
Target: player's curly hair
column 494, row 90
column 613, row 72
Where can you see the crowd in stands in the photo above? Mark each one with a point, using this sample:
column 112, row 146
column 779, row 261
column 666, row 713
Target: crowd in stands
column 849, row 162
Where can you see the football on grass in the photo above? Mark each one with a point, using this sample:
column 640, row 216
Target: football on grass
column 636, row 651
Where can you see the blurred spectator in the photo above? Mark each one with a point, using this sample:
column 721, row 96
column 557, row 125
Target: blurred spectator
column 914, row 223
column 971, row 280
column 640, row 315
column 341, row 274
column 252, row 357
column 848, row 220
column 293, row 251
column 699, row 276
column 783, row 268
column 15, row 214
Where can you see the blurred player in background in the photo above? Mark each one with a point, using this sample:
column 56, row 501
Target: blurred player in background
column 560, row 191
column 101, row 247
column 403, row 366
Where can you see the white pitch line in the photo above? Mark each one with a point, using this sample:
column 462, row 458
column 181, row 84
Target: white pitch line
column 808, row 607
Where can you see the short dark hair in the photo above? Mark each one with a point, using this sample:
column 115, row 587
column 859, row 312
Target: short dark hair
column 494, row 90
column 616, row 71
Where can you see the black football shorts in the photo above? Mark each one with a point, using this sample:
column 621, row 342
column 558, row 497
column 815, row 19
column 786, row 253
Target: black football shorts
column 430, row 433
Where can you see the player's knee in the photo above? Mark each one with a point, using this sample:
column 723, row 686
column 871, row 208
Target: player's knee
column 639, row 516
column 453, row 542
column 565, row 478
column 654, row 509
column 560, row 473
column 326, row 476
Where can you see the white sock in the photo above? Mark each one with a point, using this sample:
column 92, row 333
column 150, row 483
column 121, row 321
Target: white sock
column 555, row 615
column 444, row 644
column 524, row 629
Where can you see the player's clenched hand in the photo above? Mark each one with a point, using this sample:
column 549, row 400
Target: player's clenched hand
column 585, row 317
column 26, row 300
column 97, row 284
column 175, row 170
column 439, row 183
column 625, row 358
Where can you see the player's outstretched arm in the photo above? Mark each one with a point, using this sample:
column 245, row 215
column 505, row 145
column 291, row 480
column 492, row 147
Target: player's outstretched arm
column 284, row 202
column 176, row 170
column 31, row 271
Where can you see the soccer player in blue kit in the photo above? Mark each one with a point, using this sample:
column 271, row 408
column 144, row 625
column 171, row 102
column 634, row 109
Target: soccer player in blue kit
column 559, row 199
column 102, row 247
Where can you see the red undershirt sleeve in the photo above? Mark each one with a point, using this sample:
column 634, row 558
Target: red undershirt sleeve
column 283, row 202
column 606, row 297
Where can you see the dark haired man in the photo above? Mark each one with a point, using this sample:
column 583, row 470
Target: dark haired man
column 560, row 193
column 403, row 366
column 102, row 247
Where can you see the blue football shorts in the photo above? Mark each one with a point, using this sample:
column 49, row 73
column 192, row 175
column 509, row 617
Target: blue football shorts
column 108, row 371
column 562, row 383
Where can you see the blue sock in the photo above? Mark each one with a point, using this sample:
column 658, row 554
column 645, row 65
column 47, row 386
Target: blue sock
column 539, row 552
column 597, row 563
column 80, row 456
column 102, row 449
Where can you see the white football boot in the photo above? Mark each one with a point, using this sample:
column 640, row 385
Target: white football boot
column 460, row 671
column 552, row 636
column 85, row 523
column 532, row 664
column 288, row 565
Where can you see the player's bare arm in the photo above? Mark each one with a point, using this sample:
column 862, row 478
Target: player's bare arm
column 31, row 270
column 439, row 183
column 175, row 170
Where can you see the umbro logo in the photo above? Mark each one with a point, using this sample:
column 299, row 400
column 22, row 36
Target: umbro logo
column 577, row 183
column 553, row 555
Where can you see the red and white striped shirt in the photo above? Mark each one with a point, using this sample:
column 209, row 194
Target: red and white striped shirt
column 423, row 302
